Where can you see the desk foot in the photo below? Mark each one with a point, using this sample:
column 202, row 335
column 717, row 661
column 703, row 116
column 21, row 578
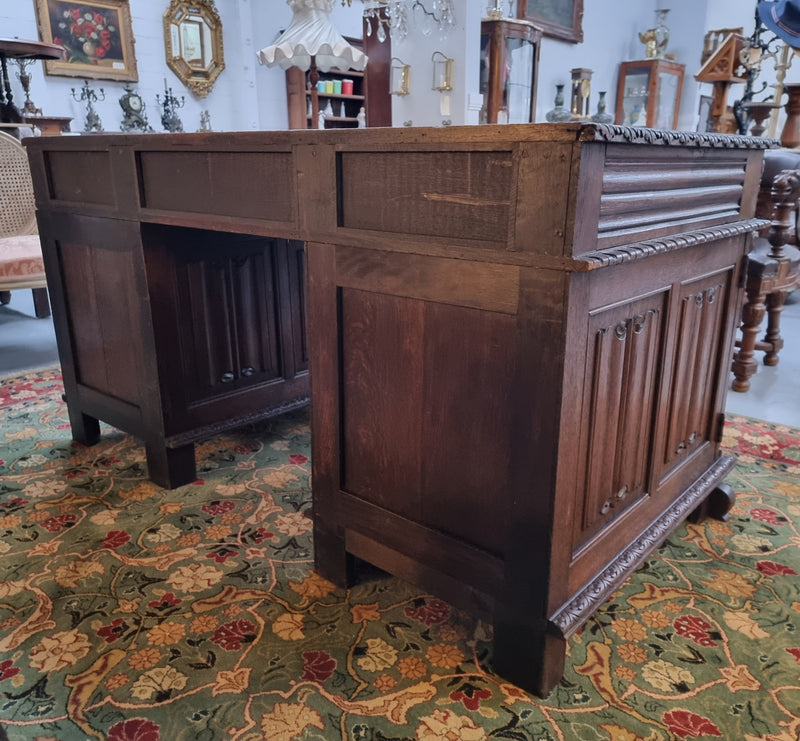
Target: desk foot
column 170, row 467
column 717, row 505
column 331, row 560
column 530, row 657
column 85, row 429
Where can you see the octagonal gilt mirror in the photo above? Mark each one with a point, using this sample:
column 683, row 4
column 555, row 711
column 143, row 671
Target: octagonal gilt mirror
column 193, row 41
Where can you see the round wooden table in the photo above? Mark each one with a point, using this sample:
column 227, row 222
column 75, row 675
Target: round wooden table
column 20, row 49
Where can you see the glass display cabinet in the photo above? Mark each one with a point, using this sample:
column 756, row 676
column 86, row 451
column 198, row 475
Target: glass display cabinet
column 509, row 67
column 649, row 93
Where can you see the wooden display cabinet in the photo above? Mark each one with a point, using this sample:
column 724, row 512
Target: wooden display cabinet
column 649, row 93
column 509, row 66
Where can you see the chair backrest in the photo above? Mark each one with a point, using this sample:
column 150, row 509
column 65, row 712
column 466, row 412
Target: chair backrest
column 17, row 205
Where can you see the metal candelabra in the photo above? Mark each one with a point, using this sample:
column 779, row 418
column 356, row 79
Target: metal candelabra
column 89, row 96
column 170, row 105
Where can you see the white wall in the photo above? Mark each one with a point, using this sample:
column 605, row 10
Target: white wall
column 248, row 96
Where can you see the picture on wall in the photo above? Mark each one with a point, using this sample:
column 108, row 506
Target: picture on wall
column 561, row 19
column 97, row 36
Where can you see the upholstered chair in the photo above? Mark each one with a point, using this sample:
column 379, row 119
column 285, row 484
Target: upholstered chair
column 21, row 264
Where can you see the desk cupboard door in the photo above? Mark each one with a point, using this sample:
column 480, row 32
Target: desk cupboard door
column 237, row 323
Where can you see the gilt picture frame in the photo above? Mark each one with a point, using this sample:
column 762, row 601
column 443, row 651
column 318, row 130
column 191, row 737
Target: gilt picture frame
column 97, row 36
column 559, row 19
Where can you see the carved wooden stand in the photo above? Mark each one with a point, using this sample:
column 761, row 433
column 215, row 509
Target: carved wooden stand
column 772, row 273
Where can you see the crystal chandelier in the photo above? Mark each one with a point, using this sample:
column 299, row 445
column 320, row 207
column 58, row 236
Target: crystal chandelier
column 399, row 17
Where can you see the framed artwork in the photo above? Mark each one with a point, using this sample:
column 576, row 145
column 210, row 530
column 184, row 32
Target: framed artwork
column 97, row 36
column 560, row 19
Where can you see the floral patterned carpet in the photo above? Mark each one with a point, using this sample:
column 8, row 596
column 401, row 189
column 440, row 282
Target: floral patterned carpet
column 132, row 613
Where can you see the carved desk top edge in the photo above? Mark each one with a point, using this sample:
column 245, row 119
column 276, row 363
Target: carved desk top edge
column 639, row 135
column 638, row 250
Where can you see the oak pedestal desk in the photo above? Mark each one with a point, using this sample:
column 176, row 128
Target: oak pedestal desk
column 519, row 337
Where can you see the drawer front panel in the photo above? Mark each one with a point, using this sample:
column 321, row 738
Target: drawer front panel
column 212, row 183
column 462, row 195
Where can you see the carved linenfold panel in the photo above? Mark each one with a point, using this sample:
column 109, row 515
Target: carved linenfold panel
column 692, row 388
column 232, row 337
column 624, row 352
column 459, row 194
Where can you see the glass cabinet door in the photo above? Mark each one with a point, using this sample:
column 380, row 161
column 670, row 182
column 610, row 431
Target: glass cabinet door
column 636, row 87
column 508, row 68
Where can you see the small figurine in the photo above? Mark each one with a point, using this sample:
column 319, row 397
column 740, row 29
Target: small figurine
column 321, row 120
column 362, row 118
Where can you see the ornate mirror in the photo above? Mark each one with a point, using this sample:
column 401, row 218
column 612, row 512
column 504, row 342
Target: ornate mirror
column 193, row 41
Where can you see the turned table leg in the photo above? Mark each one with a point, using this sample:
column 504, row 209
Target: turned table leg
column 775, row 303
column 744, row 363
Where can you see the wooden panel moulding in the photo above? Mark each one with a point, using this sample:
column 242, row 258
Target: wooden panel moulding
column 691, row 397
column 457, row 194
column 68, row 180
column 106, row 319
column 625, row 347
column 212, row 183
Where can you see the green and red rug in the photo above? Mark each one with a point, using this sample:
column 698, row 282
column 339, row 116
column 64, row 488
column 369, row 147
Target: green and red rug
column 131, row 613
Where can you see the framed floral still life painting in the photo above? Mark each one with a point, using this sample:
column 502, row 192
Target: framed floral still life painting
column 97, row 36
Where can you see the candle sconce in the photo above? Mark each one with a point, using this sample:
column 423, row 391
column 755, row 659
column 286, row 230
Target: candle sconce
column 89, row 96
column 400, row 72
column 442, row 72
column 169, row 110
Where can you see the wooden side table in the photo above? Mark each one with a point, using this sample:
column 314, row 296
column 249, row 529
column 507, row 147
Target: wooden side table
column 772, row 274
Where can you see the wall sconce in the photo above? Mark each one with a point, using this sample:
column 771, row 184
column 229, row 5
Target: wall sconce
column 442, row 72
column 400, row 74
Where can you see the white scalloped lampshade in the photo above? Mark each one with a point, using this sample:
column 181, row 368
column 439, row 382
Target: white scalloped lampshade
column 311, row 33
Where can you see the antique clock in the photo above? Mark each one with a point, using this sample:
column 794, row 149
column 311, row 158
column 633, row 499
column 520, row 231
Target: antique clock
column 134, row 118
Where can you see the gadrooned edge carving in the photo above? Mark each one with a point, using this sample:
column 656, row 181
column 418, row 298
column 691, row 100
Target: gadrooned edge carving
column 608, row 256
column 640, row 135
column 572, row 615
column 176, row 441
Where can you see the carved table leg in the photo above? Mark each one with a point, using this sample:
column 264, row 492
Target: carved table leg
column 775, row 302
column 717, row 505
column 744, row 363
column 170, row 467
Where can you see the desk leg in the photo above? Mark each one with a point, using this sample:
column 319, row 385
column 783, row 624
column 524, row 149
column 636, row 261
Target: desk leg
column 170, row 467
column 529, row 655
column 85, row 429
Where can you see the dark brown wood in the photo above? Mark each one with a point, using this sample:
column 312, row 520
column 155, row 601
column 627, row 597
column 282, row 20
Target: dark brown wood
column 519, row 360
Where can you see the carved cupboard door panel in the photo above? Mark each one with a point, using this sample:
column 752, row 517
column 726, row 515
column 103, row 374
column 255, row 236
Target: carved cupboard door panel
column 690, row 403
column 624, row 348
